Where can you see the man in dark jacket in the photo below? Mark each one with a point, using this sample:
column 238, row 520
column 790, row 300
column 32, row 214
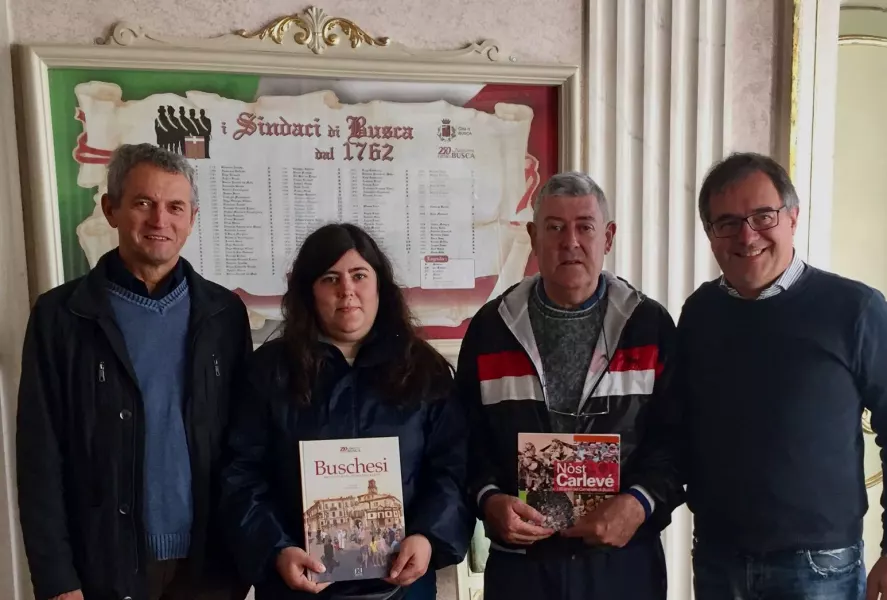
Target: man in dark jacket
column 574, row 350
column 123, row 406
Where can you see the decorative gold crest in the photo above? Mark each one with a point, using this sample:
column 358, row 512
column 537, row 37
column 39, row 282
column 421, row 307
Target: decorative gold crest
column 312, row 32
column 316, row 31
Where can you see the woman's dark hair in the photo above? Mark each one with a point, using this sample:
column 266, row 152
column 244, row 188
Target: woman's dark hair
column 417, row 370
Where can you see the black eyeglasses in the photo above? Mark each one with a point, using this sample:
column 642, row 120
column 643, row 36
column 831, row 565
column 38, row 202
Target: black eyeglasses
column 760, row 221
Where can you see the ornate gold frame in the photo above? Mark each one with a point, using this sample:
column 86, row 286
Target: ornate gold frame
column 316, row 34
column 305, row 44
column 314, row 50
column 317, row 31
column 862, row 40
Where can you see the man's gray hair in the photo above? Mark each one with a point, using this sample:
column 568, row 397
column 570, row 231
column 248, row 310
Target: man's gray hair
column 573, row 184
column 127, row 156
column 737, row 167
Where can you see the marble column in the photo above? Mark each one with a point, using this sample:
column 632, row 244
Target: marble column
column 659, row 97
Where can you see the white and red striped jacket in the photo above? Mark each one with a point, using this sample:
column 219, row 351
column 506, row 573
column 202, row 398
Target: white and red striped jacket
column 500, row 377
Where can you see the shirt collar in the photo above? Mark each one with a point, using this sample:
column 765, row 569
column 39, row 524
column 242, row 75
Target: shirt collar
column 782, row 283
column 597, row 295
column 117, row 272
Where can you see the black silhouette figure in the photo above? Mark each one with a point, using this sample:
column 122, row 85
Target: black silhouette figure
column 192, row 145
column 206, row 127
column 163, row 130
column 173, row 130
column 189, row 125
column 179, row 131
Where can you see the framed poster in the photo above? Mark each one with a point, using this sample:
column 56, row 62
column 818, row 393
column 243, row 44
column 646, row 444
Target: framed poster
column 437, row 154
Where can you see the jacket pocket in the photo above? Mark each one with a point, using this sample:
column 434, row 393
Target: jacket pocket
column 213, row 403
column 97, row 435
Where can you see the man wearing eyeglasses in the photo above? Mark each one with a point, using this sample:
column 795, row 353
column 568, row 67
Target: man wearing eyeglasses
column 571, row 350
column 776, row 362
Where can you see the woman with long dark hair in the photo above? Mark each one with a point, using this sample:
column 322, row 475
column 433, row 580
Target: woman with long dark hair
column 349, row 364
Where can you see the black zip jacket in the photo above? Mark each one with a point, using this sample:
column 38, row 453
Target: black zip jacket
column 80, row 438
column 262, row 500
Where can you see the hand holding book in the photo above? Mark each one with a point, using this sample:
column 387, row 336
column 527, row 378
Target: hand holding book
column 293, row 565
column 514, row 521
column 613, row 523
column 411, row 562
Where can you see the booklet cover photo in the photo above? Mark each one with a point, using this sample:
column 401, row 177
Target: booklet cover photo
column 353, row 506
column 565, row 476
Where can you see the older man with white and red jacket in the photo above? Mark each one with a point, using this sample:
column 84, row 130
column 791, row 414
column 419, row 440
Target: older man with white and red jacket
column 571, row 350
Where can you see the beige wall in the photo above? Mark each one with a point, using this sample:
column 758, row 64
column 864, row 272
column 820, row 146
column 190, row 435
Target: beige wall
column 526, row 29
column 523, row 27
column 520, row 25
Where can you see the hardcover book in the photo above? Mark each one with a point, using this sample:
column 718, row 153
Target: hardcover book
column 353, row 506
column 566, row 476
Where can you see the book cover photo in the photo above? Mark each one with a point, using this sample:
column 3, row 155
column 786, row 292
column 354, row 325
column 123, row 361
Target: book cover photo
column 566, row 476
column 353, row 506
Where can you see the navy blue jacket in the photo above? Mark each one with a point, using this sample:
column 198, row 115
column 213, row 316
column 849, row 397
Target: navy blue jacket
column 261, row 492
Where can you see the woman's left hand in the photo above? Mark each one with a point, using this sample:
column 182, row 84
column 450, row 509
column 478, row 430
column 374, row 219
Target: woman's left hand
column 412, row 560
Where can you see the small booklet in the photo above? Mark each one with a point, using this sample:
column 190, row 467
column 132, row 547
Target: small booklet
column 352, row 497
column 565, row 476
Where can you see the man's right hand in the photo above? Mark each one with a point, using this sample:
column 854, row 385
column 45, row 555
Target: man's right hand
column 515, row 522
column 293, row 565
column 75, row 595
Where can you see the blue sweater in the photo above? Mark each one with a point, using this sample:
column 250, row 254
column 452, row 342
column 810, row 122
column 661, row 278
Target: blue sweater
column 775, row 390
column 156, row 334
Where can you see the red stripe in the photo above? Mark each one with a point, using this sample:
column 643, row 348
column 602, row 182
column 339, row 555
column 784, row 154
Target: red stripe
column 86, row 155
column 504, row 364
column 640, row 358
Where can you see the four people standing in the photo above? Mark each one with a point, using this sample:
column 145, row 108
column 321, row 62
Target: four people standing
column 133, row 485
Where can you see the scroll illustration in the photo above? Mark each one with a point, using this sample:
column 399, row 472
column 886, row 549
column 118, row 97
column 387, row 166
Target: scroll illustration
column 445, row 189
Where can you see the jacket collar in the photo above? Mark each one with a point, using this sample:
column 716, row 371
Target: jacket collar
column 90, row 297
column 622, row 299
column 117, row 272
column 376, row 349
column 90, row 300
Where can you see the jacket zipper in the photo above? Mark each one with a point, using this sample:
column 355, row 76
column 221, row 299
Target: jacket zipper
column 101, row 371
column 195, row 334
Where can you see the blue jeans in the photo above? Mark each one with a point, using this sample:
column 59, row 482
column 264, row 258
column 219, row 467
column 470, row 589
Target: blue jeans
column 721, row 574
